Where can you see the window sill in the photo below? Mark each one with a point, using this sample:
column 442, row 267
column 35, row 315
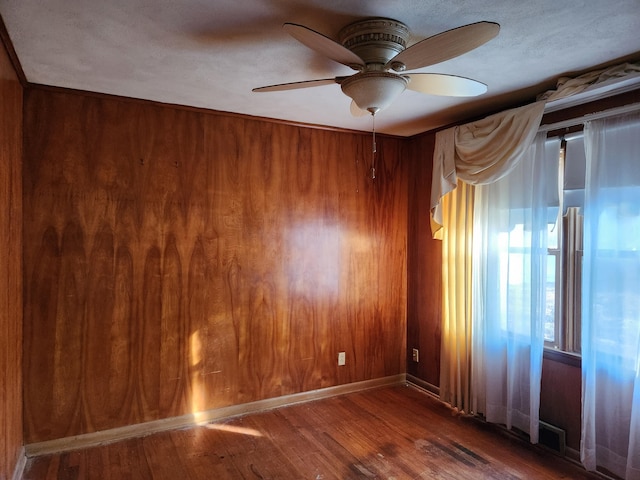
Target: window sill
column 571, row 359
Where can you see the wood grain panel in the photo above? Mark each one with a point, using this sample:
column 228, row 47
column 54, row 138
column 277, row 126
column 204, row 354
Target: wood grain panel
column 40, row 334
column 11, row 332
column 151, row 333
column 123, row 337
column 67, row 365
column 424, row 312
column 561, row 399
column 180, row 260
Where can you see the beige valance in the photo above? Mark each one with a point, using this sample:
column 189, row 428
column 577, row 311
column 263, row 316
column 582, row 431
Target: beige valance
column 567, row 86
column 480, row 152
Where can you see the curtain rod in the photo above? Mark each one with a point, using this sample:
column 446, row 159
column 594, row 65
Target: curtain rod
column 572, row 122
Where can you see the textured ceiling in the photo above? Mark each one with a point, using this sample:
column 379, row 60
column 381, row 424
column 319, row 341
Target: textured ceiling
column 211, row 53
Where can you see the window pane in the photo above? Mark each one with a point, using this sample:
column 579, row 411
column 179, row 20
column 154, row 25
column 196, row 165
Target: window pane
column 574, row 173
column 616, row 298
column 550, row 308
column 552, row 229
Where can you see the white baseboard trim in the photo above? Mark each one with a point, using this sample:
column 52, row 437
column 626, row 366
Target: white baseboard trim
column 20, row 465
column 198, row 418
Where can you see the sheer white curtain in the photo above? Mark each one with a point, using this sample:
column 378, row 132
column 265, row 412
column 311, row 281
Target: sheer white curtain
column 611, row 297
column 478, row 153
column 510, row 257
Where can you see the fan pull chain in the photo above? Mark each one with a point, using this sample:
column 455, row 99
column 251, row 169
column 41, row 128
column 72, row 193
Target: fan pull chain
column 373, row 150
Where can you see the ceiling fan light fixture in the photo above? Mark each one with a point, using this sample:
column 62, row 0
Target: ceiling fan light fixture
column 374, row 91
column 377, row 49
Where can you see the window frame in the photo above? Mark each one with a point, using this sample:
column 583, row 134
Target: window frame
column 568, row 272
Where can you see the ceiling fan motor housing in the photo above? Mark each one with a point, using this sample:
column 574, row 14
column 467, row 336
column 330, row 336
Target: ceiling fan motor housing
column 375, row 40
column 374, row 91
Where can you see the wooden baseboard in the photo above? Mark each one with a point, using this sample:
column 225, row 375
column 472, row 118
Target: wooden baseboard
column 20, row 465
column 198, row 418
column 572, row 454
column 426, row 386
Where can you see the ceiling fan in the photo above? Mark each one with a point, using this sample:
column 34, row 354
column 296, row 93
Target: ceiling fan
column 376, row 49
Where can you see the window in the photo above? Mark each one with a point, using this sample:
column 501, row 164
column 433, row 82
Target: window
column 619, row 231
column 564, row 259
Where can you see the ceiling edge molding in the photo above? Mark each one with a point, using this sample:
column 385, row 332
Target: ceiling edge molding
column 204, row 110
column 5, row 40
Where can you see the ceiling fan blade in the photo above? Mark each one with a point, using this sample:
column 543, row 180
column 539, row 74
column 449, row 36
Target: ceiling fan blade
column 295, row 85
column 324, row 45
column 356, row 111
column 448, row 85
column 444, row 46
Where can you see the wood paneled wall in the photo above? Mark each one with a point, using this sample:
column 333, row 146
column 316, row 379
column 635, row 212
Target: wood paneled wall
column 561, row 399
column 178, row 260
column 10, row 265
column 424, row 284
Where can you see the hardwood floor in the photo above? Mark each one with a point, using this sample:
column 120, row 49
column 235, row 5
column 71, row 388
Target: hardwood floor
column 387, row 433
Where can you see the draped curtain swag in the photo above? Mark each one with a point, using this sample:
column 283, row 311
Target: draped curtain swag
column 480, row 152
column 567, row 86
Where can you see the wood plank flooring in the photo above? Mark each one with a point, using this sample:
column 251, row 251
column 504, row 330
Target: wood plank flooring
column 387, row 433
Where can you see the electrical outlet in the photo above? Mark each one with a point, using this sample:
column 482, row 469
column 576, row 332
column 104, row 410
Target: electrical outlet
column 416, row 355
column 341, row 358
